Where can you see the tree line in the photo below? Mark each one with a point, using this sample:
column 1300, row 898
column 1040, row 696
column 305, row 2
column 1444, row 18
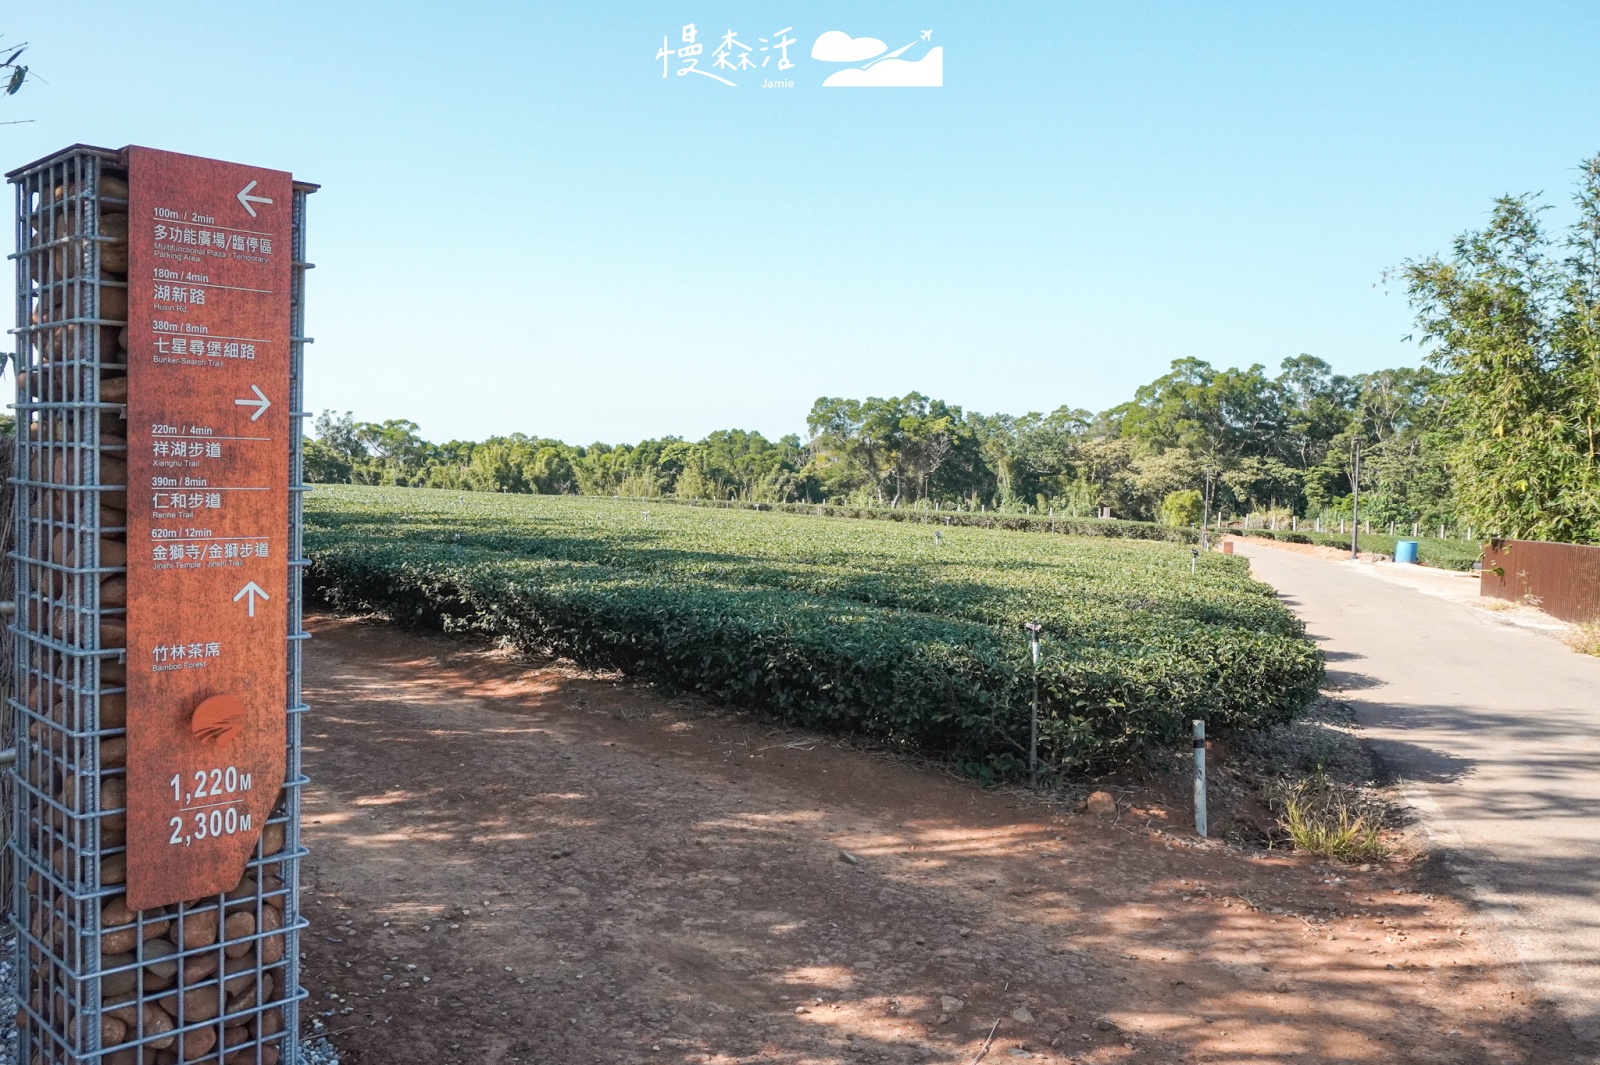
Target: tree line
column 1262, row 443
column 1497, row 431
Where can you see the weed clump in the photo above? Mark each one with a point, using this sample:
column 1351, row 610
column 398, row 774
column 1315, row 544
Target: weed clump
column 1585, row 639
column 1330, row 820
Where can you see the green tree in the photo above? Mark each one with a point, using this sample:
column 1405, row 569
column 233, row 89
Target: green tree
column 926, row 431
column 1216, row 417
column 1405, row 474
column 323, row 465
column 1182, row 507
column 1258, row 482
column 497, row 465
column 1316, row 408
column 338, row 433
column 1252, row 441
column 996, row 436
column 1512, row 317
column 1047, row 455
column 549, row 471
column 856, row 436
column 336, row 454
column 398, row 449
column 1106, row 465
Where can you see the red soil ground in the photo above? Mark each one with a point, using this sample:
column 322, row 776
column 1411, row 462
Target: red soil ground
column 515, row 862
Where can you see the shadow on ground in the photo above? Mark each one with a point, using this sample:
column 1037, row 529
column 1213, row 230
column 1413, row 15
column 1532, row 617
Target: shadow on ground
column 581, row 873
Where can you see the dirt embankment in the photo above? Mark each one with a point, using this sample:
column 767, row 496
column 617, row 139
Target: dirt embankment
column 519, row 864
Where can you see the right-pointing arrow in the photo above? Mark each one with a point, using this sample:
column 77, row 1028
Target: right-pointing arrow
column 251, row 590
column 260, row 403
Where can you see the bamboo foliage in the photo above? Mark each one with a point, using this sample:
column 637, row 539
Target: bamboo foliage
column 1512, row 316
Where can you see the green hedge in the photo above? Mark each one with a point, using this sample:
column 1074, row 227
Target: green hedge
column 1115, row 528
column 872, row 629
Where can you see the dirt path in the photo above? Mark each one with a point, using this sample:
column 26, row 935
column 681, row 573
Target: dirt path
column 582, row 872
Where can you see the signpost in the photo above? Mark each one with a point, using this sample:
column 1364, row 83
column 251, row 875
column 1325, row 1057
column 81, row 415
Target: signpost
column 209, row 249
column 154, row 842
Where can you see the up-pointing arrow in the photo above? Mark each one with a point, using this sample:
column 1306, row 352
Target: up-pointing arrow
column 245, row 199
column 260, row 403
column 252, row 590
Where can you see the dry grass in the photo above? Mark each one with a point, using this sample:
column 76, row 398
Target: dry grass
column 1496, row 605
column 1331, row 820
column 1585, row 639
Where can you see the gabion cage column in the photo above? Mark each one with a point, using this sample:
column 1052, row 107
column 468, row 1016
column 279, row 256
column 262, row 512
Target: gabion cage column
column 207, row 979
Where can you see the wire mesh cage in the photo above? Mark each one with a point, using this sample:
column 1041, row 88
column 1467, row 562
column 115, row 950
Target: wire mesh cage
column 209, row 979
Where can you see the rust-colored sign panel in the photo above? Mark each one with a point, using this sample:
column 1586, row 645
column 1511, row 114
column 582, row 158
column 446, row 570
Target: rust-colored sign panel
column 208, row 516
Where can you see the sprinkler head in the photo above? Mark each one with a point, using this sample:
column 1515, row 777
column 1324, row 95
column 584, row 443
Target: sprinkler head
column 1033, row 627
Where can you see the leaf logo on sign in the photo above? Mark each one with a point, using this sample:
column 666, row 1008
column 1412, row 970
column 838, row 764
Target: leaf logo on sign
column 218, row 720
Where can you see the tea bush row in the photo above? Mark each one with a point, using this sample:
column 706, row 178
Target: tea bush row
column 880, row 629
column 1114, row 528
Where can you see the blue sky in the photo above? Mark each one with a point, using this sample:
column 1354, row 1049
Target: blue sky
column 524, row 227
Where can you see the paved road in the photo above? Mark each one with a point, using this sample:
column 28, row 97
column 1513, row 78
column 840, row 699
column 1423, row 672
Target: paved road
column 1496, row 731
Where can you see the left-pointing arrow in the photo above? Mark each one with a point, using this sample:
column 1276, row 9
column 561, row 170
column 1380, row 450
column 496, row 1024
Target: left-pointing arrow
column 248, row 593
column 245, row 199
column 260, row 403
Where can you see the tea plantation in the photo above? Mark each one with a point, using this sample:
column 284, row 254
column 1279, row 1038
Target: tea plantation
column 871, row 628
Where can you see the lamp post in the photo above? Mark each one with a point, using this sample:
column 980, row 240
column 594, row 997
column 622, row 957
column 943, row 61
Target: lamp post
column 1355, row 497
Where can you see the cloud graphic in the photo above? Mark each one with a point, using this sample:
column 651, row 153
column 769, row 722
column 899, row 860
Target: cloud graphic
column 926, row 73
column 837, row 46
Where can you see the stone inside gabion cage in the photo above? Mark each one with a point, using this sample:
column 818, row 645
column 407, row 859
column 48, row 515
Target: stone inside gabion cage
column 208, row 979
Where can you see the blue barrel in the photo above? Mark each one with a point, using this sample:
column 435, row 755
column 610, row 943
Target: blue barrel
column 1405, row 551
